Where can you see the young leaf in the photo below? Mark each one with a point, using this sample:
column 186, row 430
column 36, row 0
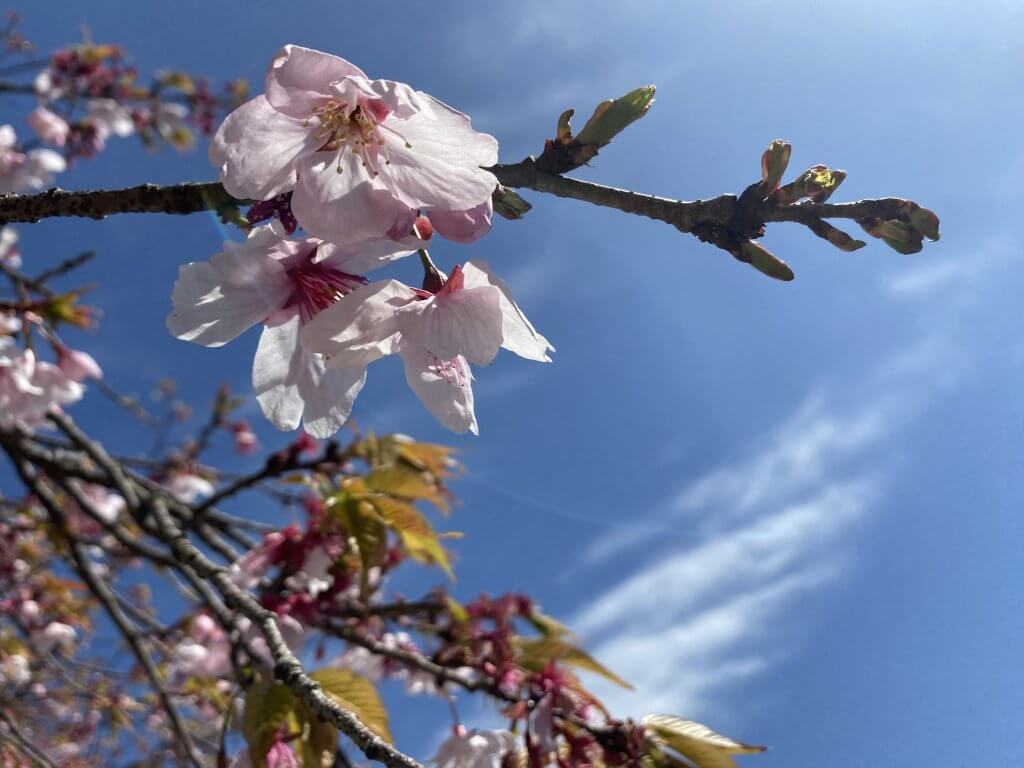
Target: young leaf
column 696, row 742
column 357, row 695
column 408, row 483
column 268, row 707
column 536, row 652
column 418, row 537
column 548, row 626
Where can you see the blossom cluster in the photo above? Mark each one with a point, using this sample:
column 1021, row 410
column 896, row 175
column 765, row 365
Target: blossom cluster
column 369, row 170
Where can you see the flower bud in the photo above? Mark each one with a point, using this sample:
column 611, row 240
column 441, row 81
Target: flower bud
column 924, row 221
column 761, row 259
column 612, row 116
column 508, row 204
column 773, row 164
column 422, row 228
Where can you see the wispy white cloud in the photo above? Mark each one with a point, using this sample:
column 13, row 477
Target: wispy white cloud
column 762, row 535
column 726, row 563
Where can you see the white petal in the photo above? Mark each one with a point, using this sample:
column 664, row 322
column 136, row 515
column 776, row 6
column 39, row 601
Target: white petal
column 275, row 371
column 437, row 158
column 343, row 207
column 464, row 226
column 329, row 394
column 291, row 383
column 299, row 79
column 360, row 328
column 217, row 300
column 444, row 387
column 256, row 149
column 465, row 322
column 518, row 334
column 362, row 257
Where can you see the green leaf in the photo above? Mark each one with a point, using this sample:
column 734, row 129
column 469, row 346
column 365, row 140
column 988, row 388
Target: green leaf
column 365, row 526
column 696, row 742
column 417, row 535
column 548, row 626
column 320, row 744
column 268, row 707
column 358, row 696
column 408, row 483
column 536, row 652
column 612, row 116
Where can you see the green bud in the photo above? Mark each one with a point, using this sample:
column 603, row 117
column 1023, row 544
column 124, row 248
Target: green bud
column 908, row 246
column 817, row 183
column 508, row 204
column 893, row 229
column 925, row 222
column 764, row 261
column 563, row 130
column 835, row 236
column 612, row 116
column 773, row 164
column 823, row 182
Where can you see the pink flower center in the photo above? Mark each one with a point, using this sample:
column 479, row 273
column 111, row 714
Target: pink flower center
column 453, row 371
column 356, row 129
column 317, row 286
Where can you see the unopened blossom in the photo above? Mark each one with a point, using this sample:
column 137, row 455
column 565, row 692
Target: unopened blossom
column 9, row 253
column 57, row 636
column 283, row 285
column 474, row 749
column 437, row 335
column 49, row 126
column 245, row 438
column 25, row 171
column 360, row 156
column 77, row 365
column 29, row 611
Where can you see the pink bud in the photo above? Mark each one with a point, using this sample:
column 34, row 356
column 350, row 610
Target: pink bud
column 422, row 228
column 245, row 438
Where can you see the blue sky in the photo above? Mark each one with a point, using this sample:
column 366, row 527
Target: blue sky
column 789, row 510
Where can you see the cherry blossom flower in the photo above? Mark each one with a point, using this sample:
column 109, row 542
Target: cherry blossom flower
column 188, row 487
column 313, row 578
column 474, row 749
column 9, row 253
column 359, row 154
column 110, row 118
column 282, row 284
column 437, row 335
column 25, row 171
column 49, row 126
column 30, row 388
column 76, row 364
column 108, row 505
column 14, row 671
